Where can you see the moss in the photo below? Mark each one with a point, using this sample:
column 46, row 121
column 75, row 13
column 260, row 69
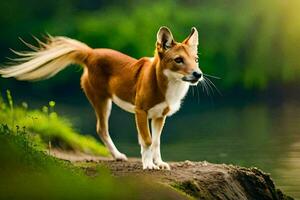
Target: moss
column 193, row 189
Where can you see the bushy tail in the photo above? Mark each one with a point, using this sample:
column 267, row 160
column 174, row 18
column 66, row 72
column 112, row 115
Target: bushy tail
column 47, row 60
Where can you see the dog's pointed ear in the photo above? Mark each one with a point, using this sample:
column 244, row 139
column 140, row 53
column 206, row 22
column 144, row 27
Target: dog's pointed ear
column 165, row 39
column 192, row 39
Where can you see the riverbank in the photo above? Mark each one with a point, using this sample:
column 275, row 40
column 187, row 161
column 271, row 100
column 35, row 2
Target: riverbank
column 200, row 180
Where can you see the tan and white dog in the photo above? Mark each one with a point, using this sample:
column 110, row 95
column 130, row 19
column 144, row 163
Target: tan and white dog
column 151, row 88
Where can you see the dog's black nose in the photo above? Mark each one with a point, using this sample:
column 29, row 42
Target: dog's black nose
column 197, row 75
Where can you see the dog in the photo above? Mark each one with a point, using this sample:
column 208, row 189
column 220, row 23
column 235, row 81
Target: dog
column 150, row 87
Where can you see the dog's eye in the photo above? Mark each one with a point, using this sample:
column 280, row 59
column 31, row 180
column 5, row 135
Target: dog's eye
column 197, row 60
column 178, row 60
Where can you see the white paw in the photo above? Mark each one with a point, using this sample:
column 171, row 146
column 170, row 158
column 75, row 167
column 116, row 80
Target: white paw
column 120, row 157
column 163, row 165
column 147, row 159
column 149, row 165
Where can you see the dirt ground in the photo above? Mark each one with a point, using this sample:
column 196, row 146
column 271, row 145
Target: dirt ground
column 201, row 180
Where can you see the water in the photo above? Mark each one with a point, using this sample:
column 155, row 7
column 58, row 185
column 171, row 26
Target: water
column 247, row 134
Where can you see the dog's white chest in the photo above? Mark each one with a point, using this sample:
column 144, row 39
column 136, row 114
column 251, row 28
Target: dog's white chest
column 175, row 93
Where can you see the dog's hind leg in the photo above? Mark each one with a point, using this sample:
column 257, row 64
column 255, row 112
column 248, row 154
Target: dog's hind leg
column 103, row 109
column 102, row 106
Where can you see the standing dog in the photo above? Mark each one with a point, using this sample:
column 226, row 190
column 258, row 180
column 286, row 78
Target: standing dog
column 151, row 88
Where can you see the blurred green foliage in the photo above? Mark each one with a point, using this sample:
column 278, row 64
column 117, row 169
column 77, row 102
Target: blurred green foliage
column 47, row 127
column 248, row 43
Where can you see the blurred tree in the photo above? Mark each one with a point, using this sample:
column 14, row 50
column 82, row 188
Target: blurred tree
column 249, row 43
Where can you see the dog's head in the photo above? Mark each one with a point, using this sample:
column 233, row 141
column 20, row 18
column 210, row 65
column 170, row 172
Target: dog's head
column 179, row 59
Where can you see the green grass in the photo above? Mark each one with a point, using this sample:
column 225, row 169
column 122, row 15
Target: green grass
column 27, row 172
column 47, row 128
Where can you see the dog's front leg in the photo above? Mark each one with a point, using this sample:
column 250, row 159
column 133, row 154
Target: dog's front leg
column 144, row 139
column 157, row 125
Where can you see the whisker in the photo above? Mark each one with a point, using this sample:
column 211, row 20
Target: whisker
column 211, row 92
column 198, row 96
column 205, row 87
column 213, row 86
column 201, row 84
column 211, row 76
column 193, row 91
column 209, row 86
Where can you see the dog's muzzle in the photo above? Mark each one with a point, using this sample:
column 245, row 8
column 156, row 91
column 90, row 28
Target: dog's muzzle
column 194, row 77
